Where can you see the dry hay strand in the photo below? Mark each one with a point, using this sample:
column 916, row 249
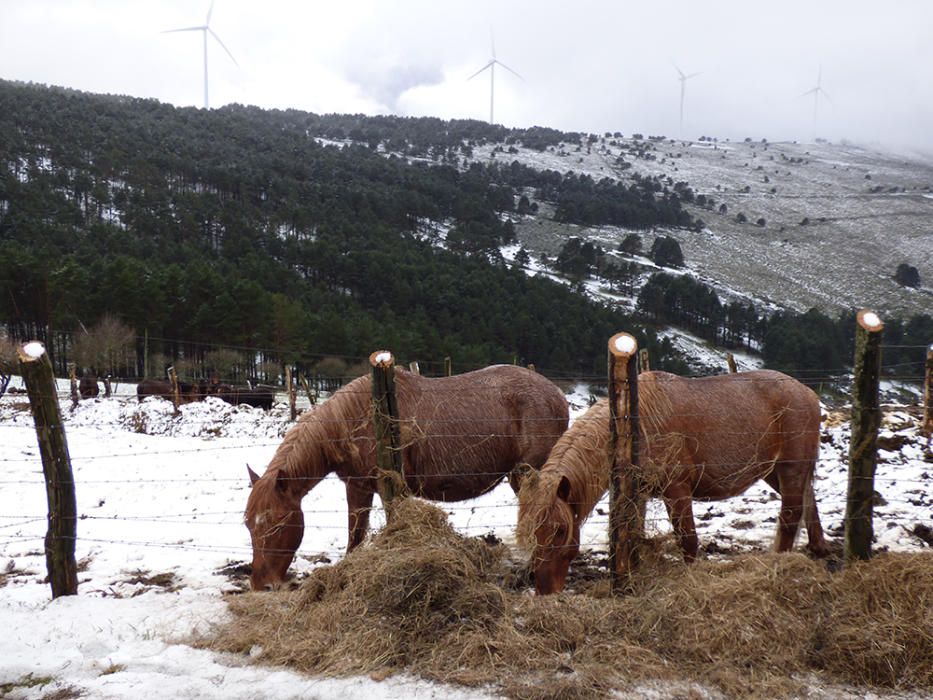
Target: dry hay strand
column 744, row 625
column 422, row 599
column 387, row 604
column 879, row 630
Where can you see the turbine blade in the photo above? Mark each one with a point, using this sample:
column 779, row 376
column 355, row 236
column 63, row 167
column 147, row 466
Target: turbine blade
column 693, row 75
column 680, row 72
column 809, row 92
column 488, row 65
column 185, row 29
column 213, row 34
column 492, row 43
column 509, row 69
column 825, row 96
column 210, row 10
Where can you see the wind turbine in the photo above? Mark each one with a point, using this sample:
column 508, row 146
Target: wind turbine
column 816, row 92
column 683, row 88
column 205, row 29
column 493, row 62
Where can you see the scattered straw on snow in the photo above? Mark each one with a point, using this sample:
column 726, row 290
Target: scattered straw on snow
column 422, row 599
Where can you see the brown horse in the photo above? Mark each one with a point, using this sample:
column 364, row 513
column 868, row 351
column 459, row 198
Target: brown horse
column 709, row 439
column 460, row 435
column 88, row 387
column 162, row 388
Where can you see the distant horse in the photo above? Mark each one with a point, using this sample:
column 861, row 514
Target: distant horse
column 259, row 396
column 708, row 439
column 461, row 435
column 88, row 387
column 163, row 389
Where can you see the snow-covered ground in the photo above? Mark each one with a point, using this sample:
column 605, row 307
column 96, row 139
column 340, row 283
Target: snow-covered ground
column 161, row 540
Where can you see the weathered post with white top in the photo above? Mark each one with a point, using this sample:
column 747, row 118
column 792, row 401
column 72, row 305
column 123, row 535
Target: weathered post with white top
column 863, row 441
column 626, row 524
column 386, row 429
column 36, row 369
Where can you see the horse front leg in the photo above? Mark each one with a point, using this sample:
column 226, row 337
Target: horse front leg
column 359, row 504
column 679, row 503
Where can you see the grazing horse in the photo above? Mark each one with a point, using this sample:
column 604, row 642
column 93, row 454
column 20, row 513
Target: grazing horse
column 460, row 436
column 259, row 396
column 709, row 439
column 163, row 389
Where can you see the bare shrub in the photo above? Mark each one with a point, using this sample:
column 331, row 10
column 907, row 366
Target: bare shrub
column 105, row 346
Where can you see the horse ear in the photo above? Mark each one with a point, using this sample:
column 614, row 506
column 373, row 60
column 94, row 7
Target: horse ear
column 519, row 474
column 253, row 476
column 563, row 489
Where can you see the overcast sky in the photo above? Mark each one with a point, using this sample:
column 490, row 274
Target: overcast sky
column 587, row 65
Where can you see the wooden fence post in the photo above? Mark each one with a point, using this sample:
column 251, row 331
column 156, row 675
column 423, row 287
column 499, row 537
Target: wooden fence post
column 176, row 392
column 312, row 398
column 863, row 449
column 730, row 361
column 290, row 388
column 626, row 523
column 386, row 429
column 73, row 376
column 447, row 367
column 531, row 366
column 36, row 369
column 644, row 363
column 928, row 397
column 414, row 368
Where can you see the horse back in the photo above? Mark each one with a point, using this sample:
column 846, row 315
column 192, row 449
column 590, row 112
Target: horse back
column 729, row 430
column 461, row 434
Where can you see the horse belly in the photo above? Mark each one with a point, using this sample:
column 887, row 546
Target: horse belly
column 441, row 470
column 450, row 488
column 721, row 483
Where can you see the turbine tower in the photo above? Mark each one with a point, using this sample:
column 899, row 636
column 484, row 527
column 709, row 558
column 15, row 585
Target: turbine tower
column 816, row 92
column 493, row 62
column 683, row 88
column 205, row 29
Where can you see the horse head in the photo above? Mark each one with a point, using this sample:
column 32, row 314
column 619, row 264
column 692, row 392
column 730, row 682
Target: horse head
column 552, row 532
column 276, row 527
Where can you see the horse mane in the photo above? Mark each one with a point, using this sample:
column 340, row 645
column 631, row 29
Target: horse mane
column 324, row 435
column 581, row 456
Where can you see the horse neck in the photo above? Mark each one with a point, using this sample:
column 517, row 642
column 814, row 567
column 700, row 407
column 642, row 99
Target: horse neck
column 584, row 460
column 321, row 441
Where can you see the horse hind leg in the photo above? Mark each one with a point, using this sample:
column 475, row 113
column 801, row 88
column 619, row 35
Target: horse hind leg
column 816, row 541
column 679, row 503
column 791, row 487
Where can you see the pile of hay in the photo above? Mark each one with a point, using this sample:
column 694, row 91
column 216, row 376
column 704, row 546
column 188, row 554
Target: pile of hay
column 422, row 599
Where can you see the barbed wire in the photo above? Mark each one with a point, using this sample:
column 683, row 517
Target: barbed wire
column 447, row 508
column 659, row 525
column 372, row 476
column 192, row 519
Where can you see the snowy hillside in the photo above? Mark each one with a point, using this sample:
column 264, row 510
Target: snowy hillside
column 838, row 218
